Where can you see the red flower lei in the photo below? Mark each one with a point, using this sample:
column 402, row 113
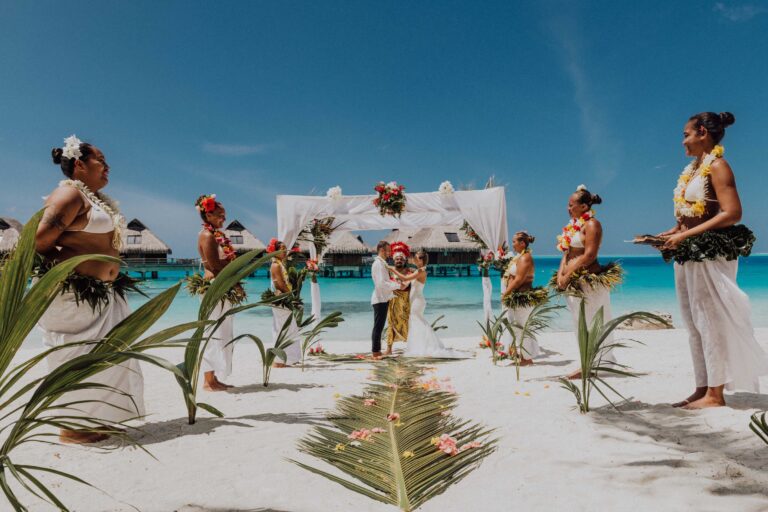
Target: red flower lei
column 222, row 240
column 570, row 229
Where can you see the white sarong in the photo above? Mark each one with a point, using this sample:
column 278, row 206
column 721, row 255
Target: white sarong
column 217, row 357
column 519, row 316
column 66, row 322
column 293, row 351
column 594, row 298
column 717, row 315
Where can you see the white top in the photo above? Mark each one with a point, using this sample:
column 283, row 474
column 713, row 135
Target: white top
column 696, row 189
column 99, row 221
column 383, row 286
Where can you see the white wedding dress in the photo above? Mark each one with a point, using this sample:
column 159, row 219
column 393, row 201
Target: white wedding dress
column 422, row 339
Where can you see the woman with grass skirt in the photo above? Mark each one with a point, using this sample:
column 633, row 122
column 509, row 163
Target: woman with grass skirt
column 580, row 277
column 281, row 283
column 79, row 219
column 519, row 297
column 705, row 244
column 216, row 252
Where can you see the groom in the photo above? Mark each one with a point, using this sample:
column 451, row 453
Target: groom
column 383, row 291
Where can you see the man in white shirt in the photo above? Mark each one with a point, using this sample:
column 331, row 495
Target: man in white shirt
column 383, row 291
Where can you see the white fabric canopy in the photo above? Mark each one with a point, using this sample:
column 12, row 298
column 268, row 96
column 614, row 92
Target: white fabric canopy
column 485, row 210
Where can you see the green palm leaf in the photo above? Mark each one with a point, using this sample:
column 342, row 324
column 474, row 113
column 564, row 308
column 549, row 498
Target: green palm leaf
column 399, row 466
column 593, row 347
column 759, row 426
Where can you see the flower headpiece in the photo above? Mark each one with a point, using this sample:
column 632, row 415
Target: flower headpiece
column 401, row 247
column 71, row 147
column 581, row 188
column 207, row 204
column 272, row 247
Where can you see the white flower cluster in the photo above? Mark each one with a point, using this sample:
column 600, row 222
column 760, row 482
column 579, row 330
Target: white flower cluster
column 71, row 147
column 446, row 188
column 392, row 184
column 581, row 187
column 334, row 193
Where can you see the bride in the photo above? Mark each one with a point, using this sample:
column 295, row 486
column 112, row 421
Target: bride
column 422, row 339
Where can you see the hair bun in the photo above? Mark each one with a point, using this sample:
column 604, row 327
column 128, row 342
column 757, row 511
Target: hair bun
column 531, row 239
column 56, row 154
column 596, row 199
column 727, row 118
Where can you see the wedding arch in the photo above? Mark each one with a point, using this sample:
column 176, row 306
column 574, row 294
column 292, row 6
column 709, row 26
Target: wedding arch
column 485, row 210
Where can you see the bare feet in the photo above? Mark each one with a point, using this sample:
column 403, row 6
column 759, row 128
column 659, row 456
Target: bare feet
column 81, row 436
column 699, row 393
column 574, row 375
column 388, row 352
column 213, row 384
column 279, row 365
column 705, row 402
column 376, row 356
column 526, row 362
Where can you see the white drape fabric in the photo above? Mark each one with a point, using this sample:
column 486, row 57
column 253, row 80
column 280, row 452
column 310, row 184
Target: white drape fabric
column 65, row 322
column 717, row 314
column 487, row 291
column 518, row 316
column 485, row 210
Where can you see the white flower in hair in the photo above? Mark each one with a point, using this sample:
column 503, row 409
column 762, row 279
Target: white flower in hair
column 581, row 187
column 71, row 147
column 334, row 193
column 446, row 188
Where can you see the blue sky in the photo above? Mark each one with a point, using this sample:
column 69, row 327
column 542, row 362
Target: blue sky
column 250, row 99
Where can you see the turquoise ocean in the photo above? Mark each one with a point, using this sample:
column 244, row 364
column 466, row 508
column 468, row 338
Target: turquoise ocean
column 648, row 285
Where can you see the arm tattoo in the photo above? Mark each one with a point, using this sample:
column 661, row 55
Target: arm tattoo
column 55, row 220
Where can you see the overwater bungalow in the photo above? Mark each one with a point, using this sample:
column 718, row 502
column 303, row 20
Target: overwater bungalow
column 10, row 230
column 141, row 246
column 346, row 255
column 242, row 239
column 450, row 251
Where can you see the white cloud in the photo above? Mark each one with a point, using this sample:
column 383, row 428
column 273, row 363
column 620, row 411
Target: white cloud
column 738, row 13
column 235, row 149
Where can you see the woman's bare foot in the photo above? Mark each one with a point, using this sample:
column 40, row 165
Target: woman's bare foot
column 699, row 393
column 81, row 436
column 388, row 352
column 212, row 383
column 528, row 362
column 705, row 402
column 574, row 375
column 279, row 365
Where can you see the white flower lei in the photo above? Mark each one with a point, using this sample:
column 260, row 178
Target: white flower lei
column 683, row 207
column 104, row 202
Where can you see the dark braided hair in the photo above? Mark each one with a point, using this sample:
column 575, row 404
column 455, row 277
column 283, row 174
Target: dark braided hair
column 714, row 123
column 525, row 238
column 588, row 198
column 68, row 164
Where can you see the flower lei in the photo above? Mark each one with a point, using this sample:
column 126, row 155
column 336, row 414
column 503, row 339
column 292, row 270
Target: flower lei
column 570, row 230
column 683, row 207
column 284, row 271
column 222, row 241
column 104, row 202
column 514, row 260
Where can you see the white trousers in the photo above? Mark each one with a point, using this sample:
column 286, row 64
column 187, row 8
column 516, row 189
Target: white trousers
column 531, row 347
column 717, row 315
column 217, row 357
column 594, row 298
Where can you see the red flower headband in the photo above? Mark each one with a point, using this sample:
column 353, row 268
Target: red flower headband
column 401, row 247
column 207, row 204
column 272, row 247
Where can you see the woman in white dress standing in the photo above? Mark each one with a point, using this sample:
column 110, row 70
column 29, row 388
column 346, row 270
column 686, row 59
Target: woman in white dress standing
column 422, row 339
column 581, row 278
column 705, row 244
column 280, row 283
column 518, row 288
column 215, row 253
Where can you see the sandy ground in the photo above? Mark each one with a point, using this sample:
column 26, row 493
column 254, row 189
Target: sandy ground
column 550, row 457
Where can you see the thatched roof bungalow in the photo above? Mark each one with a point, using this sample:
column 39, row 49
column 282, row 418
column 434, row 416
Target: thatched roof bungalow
column 446, row 245
column 242, row 239
column 345, row 249
column 10, row 230
column 141, row 245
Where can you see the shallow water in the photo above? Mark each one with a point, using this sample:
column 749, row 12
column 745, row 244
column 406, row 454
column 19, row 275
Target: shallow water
column 649, row 286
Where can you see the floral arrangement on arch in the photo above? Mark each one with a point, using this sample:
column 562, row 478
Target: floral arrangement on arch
column 472, row 235
column 318, row 232
column 503, row 257
column 390, row 199
column 485, row 263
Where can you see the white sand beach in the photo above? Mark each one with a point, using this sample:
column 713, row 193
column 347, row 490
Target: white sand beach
column 550, row 457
